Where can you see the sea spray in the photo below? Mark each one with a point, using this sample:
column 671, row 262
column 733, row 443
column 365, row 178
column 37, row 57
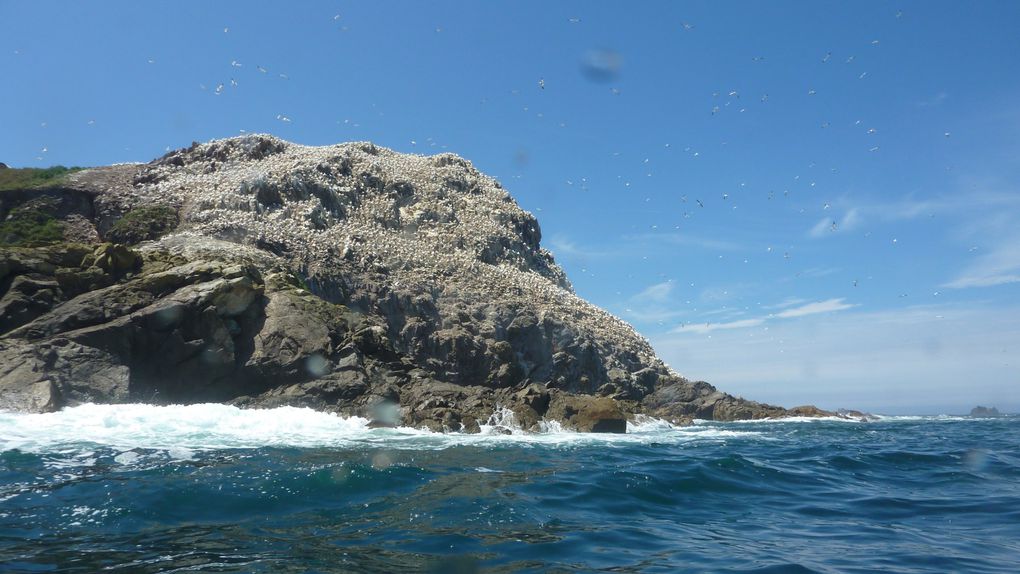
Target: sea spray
column 203, row 427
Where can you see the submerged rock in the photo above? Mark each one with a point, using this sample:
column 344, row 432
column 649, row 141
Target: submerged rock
column 345, row 278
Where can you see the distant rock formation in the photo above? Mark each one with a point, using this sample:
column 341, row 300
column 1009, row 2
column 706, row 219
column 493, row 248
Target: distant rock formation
column 980, row 411
column 347, row 278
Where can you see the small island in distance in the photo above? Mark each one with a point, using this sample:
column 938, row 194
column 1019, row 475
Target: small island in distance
column 980, row 411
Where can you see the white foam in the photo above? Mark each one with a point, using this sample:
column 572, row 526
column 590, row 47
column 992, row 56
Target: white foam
column 202, row 426
column 841, row 419
column 179, row 431
column 913, row 418
column 795, row 420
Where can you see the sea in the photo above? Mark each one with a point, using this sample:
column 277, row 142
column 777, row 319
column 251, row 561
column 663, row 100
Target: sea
column 211, row 488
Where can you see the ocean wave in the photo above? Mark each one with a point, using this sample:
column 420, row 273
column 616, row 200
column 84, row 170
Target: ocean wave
column 327, row 485
column 781, row 420
column 924, row 418
column 847, row 419
column 180, row 430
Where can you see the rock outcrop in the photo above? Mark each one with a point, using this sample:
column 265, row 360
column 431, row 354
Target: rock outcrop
column 984, row 412
column 348, row 278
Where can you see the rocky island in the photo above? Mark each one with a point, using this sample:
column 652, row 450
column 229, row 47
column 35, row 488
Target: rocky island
column 985, row 412
column 347, row 278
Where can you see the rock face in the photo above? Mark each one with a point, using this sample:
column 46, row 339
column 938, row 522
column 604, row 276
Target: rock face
column 348, row 278
column 985, row 412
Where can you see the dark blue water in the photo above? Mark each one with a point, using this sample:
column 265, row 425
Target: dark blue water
column 160, row 492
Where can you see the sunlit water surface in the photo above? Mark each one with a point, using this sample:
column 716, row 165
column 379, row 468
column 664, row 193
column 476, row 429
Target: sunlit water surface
column 209, row 488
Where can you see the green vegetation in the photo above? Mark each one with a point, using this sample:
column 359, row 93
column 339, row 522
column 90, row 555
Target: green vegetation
column 30, row 226
column 33, row 177
column 143, row 223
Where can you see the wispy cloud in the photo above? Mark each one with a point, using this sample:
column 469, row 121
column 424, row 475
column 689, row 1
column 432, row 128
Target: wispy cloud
column 657, row 293
column 910, row 207
column 826, row 306
column 997, row 262
column 911, row 359
column 653, row 304
column 788, row 302
column 560, row 245
column 999, row 266
column 823, row 227
column 814, row 308
column 709, row 327
column 974, row 200
column 819, row 271
column 563, row 246
column 826, row 226
column 686, row 240
column 935, row 100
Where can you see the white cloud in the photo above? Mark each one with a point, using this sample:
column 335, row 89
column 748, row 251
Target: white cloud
column 826, row 306
column 823, row 226
column 709, row 327
column 686, row 240
column 560, row 245
column 935, row 100
column 977, row 198
column 653, row 304
column 788, row 302
column 820, row 271
column 998, row 267
column 963, row 202
column 563, row 246
column 997, row 262
column 851, row 219
column 944, row 358
column 658, row 293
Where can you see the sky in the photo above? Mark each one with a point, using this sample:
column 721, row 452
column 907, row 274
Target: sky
column 799, row 202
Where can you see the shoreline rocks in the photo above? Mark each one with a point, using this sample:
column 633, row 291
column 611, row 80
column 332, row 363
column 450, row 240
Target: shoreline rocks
column 346, row 278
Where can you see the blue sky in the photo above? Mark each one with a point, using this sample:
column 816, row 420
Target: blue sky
column 800, row 202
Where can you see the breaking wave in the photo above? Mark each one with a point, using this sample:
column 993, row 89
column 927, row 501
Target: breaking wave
column 202, row 427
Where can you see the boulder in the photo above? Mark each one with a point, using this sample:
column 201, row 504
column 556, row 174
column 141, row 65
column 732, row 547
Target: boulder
column 813, row 411
column 584, row 413
column 115, row 258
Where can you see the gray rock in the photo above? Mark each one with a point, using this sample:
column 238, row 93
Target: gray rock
column 585, row 413
column 980, row 411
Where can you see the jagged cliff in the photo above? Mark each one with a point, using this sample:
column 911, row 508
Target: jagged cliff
column 349, row 278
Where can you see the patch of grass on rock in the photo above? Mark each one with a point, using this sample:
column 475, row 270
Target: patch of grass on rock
column 143, row 223
column 33, row 177
column 30, row 226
